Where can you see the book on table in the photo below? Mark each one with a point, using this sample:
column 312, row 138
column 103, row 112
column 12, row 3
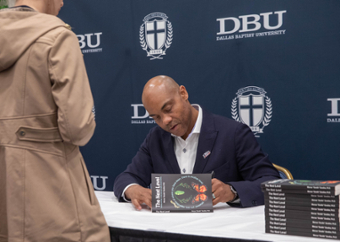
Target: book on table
column 181, row 193
column 302, row 207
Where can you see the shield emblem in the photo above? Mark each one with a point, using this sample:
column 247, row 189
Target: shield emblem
column 155, row 33
column 251, row 109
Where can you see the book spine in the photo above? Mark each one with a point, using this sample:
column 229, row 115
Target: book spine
column 294, row 196
column 301, row 233
column 184, row 211
column 297, row 203
column 314, row 228
column 316, row 220
column 283, row 213
column 300, row 191
column 298, row 200
column 283, row 199
column 299, row 187
column 307, row 207
column 300, row 223
column 284, row 217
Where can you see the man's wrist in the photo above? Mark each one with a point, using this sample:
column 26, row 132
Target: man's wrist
column 123, row 193
column 234, row 192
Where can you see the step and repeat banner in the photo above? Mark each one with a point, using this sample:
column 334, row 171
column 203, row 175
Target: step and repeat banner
column 273, row 65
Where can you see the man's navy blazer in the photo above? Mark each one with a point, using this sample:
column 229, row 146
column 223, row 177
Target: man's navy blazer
column 235, row 157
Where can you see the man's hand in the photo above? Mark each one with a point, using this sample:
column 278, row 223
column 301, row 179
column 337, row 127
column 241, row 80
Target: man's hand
column 221, row 192
column 138, row 195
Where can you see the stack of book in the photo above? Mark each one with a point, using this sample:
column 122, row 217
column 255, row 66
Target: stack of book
column 302, row 207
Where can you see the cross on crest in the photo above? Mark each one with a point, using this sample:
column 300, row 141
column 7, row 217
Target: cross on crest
column 253, row 108
column 155, row 34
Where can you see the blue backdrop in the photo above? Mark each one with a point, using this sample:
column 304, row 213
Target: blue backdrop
column 273, row 65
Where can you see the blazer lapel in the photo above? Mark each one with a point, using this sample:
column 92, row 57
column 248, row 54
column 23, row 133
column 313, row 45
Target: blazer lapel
column 206, row 142
column 170, row 153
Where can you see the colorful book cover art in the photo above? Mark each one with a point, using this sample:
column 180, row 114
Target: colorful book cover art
column 181, row 193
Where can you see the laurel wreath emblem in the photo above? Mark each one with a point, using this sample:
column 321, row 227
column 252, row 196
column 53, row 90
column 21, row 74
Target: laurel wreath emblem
column 269, row 111
column 267, row 116
column 168, row 41
column 141, row 37
column 234, row 110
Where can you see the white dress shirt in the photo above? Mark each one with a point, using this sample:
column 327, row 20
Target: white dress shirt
column 186, row 150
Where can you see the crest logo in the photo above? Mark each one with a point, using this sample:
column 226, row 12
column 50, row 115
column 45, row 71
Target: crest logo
column 155, row 35
column 253, row 108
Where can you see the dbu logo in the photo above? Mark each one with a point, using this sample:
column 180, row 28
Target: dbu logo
column 91, row 41
column 140, row 114
column 251, row 22
column 334, row 107
column 102, row 182
column 334, row 116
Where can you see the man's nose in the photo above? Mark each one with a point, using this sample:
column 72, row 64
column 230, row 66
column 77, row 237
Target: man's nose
column 167, row 119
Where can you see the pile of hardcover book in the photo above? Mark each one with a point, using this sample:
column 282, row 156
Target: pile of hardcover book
column 302, row 207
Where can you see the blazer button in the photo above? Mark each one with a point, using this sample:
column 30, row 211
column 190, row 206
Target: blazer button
column 22, row 133
column 254, row 202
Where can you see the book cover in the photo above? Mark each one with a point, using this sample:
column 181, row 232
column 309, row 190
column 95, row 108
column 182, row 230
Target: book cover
column 302, row 186
column 181, row 193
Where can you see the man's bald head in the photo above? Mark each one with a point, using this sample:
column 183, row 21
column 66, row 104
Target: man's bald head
column 168, row 104
column 159, row 84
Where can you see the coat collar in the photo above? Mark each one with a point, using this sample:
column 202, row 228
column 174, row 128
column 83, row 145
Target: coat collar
column 170, row 153
column 206, row 142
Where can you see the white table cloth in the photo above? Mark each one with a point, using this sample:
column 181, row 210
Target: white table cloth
column 225, row 221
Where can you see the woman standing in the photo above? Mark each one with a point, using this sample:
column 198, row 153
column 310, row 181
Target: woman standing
column 45, row 115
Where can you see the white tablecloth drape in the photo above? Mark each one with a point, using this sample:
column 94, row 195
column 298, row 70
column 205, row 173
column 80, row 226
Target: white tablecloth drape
column 225, row 221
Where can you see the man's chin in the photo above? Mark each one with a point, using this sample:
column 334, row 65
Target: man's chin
column 177, row 130
column 177, row 134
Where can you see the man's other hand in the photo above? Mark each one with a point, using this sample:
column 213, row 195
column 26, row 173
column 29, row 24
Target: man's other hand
column 221, row 191
column 139, row 195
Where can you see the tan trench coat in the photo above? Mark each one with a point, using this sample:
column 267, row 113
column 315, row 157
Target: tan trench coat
column 45, row 113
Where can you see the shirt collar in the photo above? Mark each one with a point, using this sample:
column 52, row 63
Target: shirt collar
column 198, row 124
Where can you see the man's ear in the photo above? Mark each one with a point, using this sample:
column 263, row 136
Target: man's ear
column 183, row 92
